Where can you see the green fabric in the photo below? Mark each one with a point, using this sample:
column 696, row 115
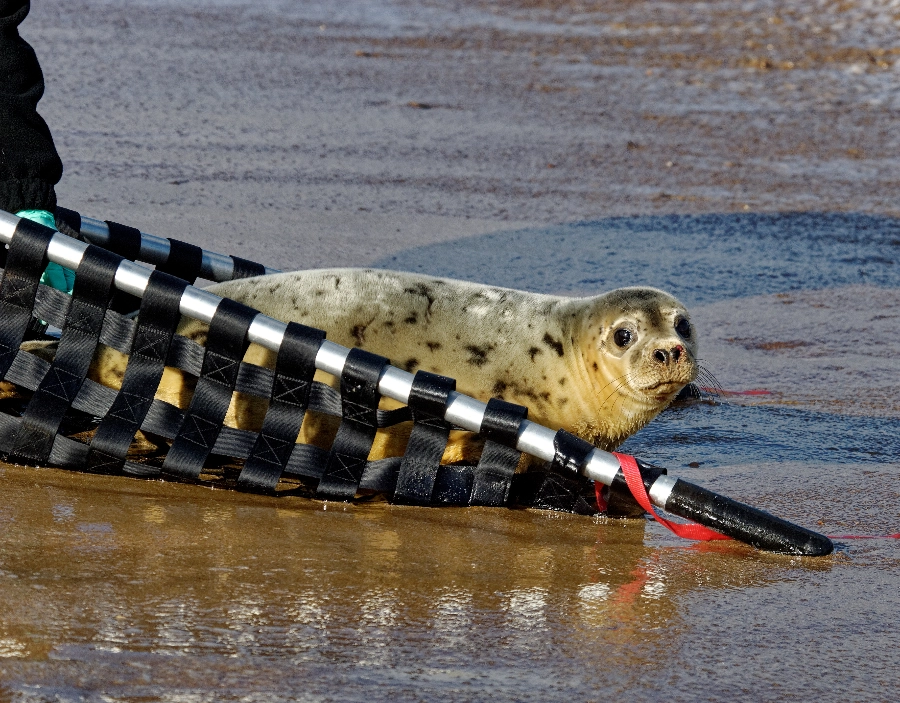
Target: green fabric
column 54, row 275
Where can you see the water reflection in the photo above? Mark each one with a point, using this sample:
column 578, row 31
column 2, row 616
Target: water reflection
column 11, row 647
column 452, row 619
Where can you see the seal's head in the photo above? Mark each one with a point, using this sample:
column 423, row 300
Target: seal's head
column 642, row 351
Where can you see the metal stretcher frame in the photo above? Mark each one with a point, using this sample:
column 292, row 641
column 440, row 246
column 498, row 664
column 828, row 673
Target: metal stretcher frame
column 676, row 496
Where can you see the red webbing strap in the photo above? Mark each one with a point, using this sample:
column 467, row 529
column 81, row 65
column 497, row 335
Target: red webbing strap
column 689, row 530
column 602, row 505
column 635, row 483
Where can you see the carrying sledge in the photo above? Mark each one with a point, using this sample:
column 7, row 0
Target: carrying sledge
column 73, row 422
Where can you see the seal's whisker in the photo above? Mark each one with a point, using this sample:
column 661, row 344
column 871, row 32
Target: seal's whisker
column 711, row 383
column 612, row 408
column 619, row 380
column 614, row 391
column 621, row 397
column 708, row 387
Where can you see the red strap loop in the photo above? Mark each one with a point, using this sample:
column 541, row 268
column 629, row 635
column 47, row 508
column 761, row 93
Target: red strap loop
column 690, row 530
column 602, row 505
column 635, row 483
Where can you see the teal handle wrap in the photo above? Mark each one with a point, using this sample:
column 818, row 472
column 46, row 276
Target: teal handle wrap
column 54, row 275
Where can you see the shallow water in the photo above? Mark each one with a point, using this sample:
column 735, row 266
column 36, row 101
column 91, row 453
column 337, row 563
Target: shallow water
column 283, row 132
column 145, row 590
column 158, row 591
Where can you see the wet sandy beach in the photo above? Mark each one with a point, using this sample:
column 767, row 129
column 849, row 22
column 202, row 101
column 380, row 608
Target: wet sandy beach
column 744, row 156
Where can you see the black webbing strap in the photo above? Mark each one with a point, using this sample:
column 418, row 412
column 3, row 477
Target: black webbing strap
column 184, row 261
column 226, row 344
column 499, row 459
column 159, row 316
column 453, row 485
column 422, row 459
column 124, row 240
column 551, row 491
column 244, row 268
column 359, row 400
column 288, row 401
column 562, row 488
column 569, row 453
column 68, row 219
column 81, row 332
column 26, row 259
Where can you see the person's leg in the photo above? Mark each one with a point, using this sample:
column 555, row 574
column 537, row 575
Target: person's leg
column 29, row 164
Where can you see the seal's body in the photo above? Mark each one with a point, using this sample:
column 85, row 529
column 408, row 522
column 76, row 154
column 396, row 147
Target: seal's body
column 600, row 367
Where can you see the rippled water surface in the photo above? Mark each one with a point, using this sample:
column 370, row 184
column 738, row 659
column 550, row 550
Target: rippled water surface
column 742, row 155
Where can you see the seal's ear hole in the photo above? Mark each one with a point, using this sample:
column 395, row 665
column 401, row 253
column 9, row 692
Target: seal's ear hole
column 623, row 336
column 683, row 328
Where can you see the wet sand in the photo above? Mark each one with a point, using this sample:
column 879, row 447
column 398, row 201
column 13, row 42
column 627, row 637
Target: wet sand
column 743, row 156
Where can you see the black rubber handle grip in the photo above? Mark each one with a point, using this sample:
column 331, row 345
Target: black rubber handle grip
column 744, row 523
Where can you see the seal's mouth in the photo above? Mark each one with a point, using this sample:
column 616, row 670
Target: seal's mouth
column 663, row 389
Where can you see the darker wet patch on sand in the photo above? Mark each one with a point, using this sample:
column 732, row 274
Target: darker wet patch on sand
column 769, row 346
column 705, row 257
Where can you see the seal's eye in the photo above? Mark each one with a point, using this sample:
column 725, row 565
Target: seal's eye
column 622, row 337
column 683, row 327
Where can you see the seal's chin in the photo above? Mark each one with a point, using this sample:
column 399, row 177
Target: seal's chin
column 663, row 391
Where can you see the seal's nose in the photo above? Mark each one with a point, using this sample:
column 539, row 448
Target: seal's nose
column 664, row 355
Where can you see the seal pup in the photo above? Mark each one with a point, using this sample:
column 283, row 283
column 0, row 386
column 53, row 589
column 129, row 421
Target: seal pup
column 600, row 367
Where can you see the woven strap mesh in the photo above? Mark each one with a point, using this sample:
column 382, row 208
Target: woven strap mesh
column 61, row 417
